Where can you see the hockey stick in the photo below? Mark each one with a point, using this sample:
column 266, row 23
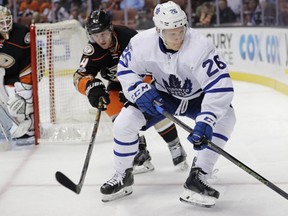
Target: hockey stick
column 220, row 151
column 63, row 179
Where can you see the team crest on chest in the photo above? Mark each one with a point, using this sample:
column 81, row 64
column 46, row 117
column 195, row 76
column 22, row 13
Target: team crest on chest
column 177, row 87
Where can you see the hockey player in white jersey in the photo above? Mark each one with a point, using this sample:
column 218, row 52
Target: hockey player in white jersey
column 191, row 80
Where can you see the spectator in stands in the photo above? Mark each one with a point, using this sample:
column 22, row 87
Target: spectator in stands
column 31, row 5
column 4, row 2
column 132, row 4
column 44, row 5
column 109, row 5
column 144, row 17
column 205, row 14
column 76, row 3
column 44, row 9
column 246, row 13
column 28, row 11
column 269, row 12
column 78, row 14
column 236, row 7
column 58, row 12
column 104, row 5
column 283, row 13
column 144, row 21
column 255, row 12
column 10, row 4
column 225, row 13
column 194, row 5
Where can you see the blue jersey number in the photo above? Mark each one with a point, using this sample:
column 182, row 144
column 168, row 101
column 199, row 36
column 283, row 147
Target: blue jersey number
column 212, row 69
column 126, row 56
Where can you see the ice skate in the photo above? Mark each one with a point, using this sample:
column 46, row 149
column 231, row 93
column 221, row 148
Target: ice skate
column 25, row 140
column 179, row 156
column 197, row 191
column 142, row 161
column 118, row 186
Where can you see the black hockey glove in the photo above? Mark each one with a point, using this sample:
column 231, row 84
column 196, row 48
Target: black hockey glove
column 109, row 73
column 96, row 91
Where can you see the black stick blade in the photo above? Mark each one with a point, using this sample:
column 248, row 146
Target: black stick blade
column 66, row 182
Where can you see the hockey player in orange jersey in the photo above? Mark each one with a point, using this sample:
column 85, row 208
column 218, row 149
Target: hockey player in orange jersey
column 101, row 55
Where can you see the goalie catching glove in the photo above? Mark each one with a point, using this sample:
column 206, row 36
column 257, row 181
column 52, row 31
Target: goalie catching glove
column 20, row 106
column 96, row 91
column 203, row 130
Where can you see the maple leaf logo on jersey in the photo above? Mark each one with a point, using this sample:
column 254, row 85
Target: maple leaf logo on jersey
column 176, row 88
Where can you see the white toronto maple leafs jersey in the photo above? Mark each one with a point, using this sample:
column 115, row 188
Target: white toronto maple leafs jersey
column 185, row 74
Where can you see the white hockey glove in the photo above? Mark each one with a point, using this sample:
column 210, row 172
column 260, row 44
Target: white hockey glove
column 20, row 106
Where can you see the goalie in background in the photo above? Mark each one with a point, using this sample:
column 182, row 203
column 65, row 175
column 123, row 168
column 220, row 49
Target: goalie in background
column 101, row 56
column 191, row 80
column 15, row 81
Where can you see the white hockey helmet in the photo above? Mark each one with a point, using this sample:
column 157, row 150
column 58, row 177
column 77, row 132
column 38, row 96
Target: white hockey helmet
column 169, row 15
column 6, row 22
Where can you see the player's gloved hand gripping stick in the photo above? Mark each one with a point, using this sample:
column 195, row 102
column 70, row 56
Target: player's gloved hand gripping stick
column 222, row 152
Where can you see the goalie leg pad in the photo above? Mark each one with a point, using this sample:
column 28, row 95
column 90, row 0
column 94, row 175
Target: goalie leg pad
column 24, row 127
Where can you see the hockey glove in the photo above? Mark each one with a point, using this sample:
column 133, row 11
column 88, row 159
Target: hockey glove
column 109, row 73
column 144, row 95
column 203, row 131
column 96, row 91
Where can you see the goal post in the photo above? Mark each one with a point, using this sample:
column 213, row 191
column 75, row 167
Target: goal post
column 61, row 114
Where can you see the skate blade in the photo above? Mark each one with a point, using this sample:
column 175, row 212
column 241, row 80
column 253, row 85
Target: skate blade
column 182, row 166
column 147, row 166
column 122, row 193
column 197, row 199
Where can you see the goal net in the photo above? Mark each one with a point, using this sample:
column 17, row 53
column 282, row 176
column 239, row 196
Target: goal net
column 61, row 113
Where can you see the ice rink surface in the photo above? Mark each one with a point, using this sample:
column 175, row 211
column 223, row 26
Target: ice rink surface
column 260, row 140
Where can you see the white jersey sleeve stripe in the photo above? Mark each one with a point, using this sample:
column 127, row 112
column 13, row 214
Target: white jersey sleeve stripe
column 211, row 84
column 220, row 90
column 120, row 73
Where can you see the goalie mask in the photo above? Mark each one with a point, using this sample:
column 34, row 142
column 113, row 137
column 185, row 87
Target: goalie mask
column 169, row 16
column 6, row 22
column 98, row 21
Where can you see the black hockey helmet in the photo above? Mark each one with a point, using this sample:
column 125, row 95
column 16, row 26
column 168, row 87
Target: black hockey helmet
column 98, row 21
